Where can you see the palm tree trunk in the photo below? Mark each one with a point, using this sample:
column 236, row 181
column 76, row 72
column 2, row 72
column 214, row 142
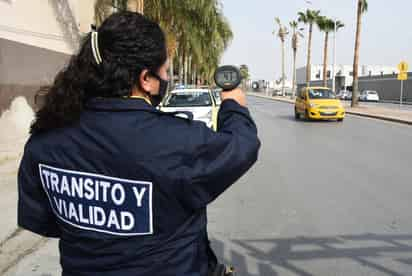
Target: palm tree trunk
column 196, row 75
column 181, row 68
column 193, row 73
column 308, row 64
column 186, row 60
column 294, row 73
column 355, row 85
column 189, row 66
column 136, row 6
column 325, row 61
column 171, row 71
column 140, row 6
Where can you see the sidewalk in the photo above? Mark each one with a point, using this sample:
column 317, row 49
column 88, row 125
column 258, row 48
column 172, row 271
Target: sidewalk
column 14, row 242
column 381, row 113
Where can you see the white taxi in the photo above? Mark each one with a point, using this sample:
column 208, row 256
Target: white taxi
column 200, row 102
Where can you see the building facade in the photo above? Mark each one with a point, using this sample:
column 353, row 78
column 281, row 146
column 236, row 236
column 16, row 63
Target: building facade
column 343, row 74
column 37, row 38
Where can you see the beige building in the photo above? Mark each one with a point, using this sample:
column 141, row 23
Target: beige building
column 37, row 38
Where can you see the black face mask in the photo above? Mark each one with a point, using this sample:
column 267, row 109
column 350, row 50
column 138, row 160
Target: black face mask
column 157, row 99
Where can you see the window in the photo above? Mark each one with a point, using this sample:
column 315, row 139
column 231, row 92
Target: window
column 351, row 73
column 188, row 98
column 328, row 74
column 321, row 94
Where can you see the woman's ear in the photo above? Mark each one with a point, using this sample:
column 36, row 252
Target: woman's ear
column 145, row 81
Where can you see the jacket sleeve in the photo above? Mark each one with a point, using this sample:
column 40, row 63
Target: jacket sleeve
column 34, row 211
column 218, row 159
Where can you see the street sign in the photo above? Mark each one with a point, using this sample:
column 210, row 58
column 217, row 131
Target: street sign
column 403, row 76
column 403, row 67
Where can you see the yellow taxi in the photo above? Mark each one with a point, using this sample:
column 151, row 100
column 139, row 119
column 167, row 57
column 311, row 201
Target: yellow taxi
column 318, row 103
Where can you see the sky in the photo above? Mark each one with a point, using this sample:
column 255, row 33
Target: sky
column 386, row 34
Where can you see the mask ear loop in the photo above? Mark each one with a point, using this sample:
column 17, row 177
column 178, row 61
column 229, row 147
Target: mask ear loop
column 95, row 48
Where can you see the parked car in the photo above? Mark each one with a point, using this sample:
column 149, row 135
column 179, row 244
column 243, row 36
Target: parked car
column 369, row 96
column 345, row 95
column 200, row 102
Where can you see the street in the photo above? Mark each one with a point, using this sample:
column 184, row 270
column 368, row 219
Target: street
column 325, row 198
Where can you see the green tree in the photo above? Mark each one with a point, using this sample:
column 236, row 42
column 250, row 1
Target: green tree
column 309, row 18
column 197, row 32
column 327, row 25
column 362, row 8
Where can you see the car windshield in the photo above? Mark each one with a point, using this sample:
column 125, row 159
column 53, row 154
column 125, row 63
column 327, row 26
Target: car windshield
column 321, row 94
column 372, row 93
column 188, row 98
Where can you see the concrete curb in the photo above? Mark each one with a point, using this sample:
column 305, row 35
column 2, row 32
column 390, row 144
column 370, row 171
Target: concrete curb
column 351, row 112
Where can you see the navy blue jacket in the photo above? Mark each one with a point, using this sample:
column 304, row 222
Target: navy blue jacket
column 126, row 188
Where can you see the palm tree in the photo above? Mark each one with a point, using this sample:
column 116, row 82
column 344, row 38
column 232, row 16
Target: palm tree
column 327, row 25
column 136, row 5
column 244, row 72
column 282, row 33
column 309, row 18
column 296, row 33
column 197, row 33
column 362, row 8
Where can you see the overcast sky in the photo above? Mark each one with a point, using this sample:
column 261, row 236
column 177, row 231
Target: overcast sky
column 386, row 33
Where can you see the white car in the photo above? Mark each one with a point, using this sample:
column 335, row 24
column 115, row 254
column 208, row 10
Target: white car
column 199, row 102
column 369, row 96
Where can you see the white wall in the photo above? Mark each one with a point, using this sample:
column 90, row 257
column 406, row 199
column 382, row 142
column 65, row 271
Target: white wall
column 41, row 23
column 22, row 64
column 85, row 14
column 346, row 70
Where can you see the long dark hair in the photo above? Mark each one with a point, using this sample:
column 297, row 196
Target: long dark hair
column 128, row 43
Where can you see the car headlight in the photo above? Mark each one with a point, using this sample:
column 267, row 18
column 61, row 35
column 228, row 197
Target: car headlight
column 312, row 105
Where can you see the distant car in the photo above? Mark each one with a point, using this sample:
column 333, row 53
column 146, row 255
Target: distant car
column 345, row 95
column 277, row 92
column 200, row 102
column 369, row 96
column 318, row 103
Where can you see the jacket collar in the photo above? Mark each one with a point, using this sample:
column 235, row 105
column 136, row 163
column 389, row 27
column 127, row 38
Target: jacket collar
column 119, row 104
column 129, row 104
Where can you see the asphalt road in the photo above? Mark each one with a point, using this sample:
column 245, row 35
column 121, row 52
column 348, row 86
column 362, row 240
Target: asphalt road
column 325, row 198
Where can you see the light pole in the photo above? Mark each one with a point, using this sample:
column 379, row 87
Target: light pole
column 334, row 58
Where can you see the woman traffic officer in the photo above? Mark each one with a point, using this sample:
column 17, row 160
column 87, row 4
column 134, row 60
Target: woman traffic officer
column 123, row 186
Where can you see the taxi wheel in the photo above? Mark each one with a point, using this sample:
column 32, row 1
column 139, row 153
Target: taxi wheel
column 340, row 120
column 307, row 118
column 297, row 115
